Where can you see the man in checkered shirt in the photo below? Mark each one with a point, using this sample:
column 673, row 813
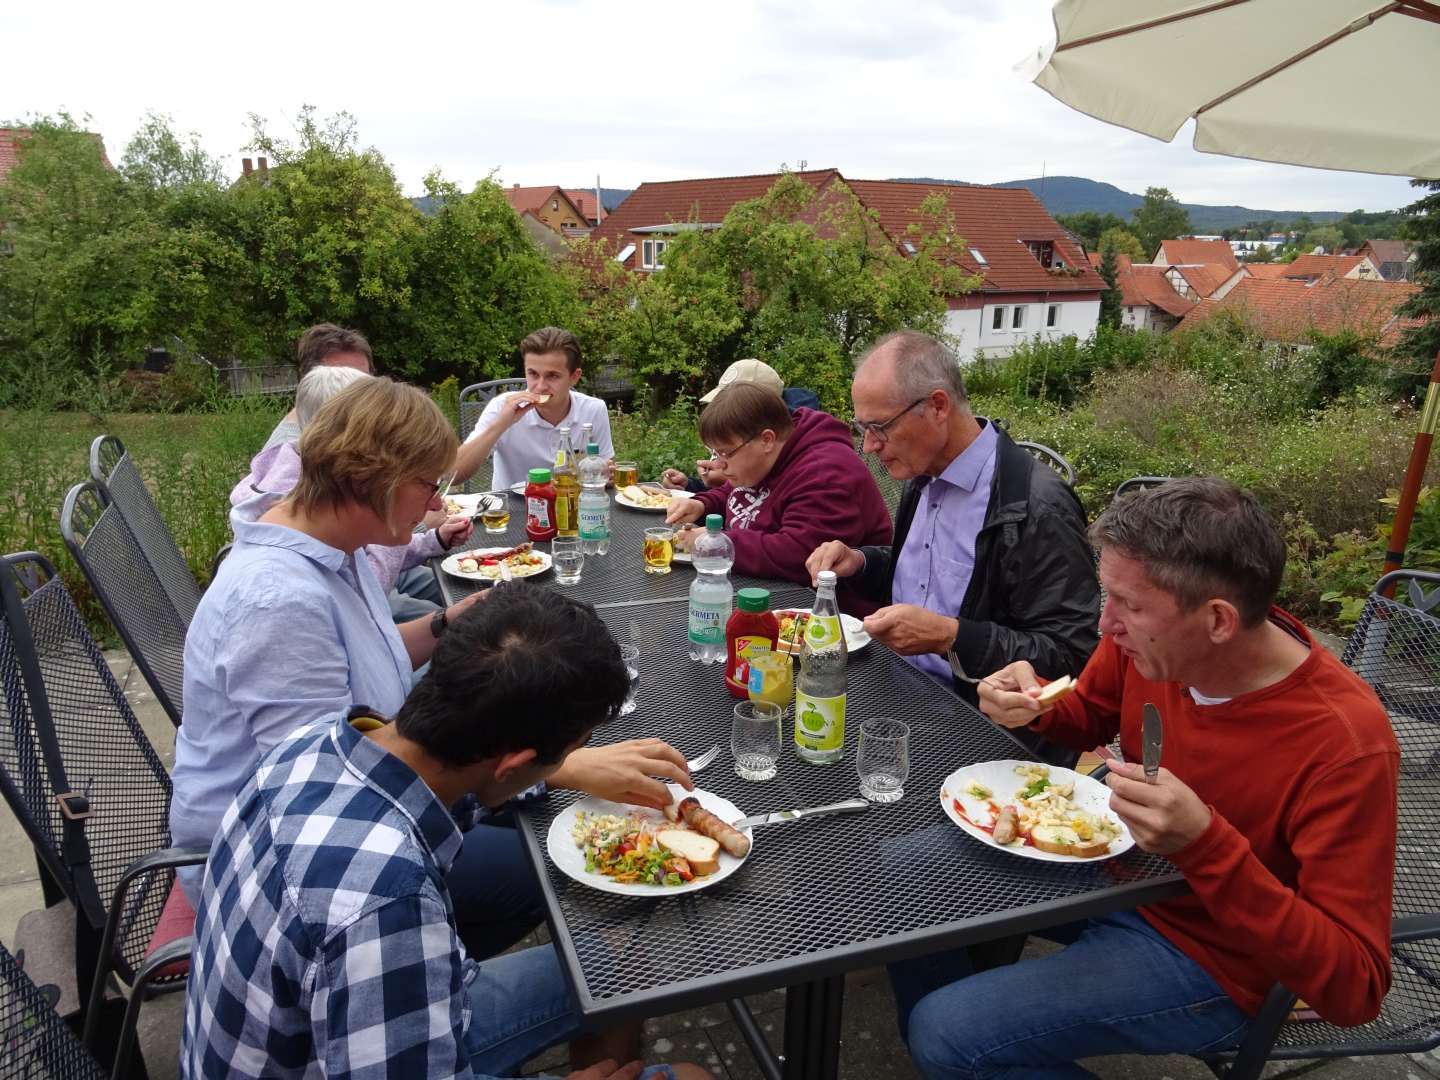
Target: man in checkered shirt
column 325, row 942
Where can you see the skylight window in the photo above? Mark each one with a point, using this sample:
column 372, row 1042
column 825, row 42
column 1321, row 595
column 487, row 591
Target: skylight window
column 975, row 254
column 625, row 253
column 909, row 247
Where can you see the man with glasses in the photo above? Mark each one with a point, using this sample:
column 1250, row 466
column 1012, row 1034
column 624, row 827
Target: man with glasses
column 990, row 561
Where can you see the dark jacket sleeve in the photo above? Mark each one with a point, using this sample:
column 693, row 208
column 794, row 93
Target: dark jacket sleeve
column 1054, row 600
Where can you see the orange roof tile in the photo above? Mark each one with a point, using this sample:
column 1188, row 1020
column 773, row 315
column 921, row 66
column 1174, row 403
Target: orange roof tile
column 1122, row 261
column 1287, row 310
column 584, row 202
column 1147, row 286
column 534, row 198
column 1205, row 279
column 1199, row 252
column 1266, row 270
column 1314, row 266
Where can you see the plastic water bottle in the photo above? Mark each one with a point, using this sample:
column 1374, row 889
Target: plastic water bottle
column 820, row 690
column 712, row 555
column 594, row 503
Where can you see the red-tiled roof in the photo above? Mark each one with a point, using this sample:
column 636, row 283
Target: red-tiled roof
column 1314, row 266
column 1385, row 251
column 996, row 222
column 535, row 198
column 584, row 202
column 1122, row 261
column 1198, row 251
column 1266, row 271
column 10, row 148
column 1205, row 279
column 1286, row 310
column 1147, row 286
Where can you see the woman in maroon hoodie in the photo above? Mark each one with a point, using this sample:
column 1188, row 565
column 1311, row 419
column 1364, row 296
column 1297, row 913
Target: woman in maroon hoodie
column 793, row 480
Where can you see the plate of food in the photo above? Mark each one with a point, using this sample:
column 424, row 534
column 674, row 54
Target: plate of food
column 519, row 487
column 484, row 563
column 648, row 497
column 461, row 503
column 793, row 622
column 1035, row 811
column 635, row 851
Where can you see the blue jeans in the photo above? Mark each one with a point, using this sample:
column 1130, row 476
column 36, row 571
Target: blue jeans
column 519, row 1006
column 494, row 890
column 416, row 594
column 1118, row 987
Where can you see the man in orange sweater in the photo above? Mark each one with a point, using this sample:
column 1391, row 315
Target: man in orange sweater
column 1276, row 799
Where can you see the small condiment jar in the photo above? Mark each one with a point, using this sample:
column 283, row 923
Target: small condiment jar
column 751, row 630
column 540, row 505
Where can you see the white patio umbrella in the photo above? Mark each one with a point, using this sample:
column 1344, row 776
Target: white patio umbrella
column 1338, row 84
column 1335, row 84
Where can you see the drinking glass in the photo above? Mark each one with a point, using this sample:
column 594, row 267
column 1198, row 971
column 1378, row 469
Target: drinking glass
column 755, row 739
column 883, row 761
column 772, row 679
column 494, row 511
column 569, row 560
column 631, row 655
column 659, row 549
column 626, row 473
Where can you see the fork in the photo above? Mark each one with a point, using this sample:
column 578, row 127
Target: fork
column 959, row 671
column 696, row 764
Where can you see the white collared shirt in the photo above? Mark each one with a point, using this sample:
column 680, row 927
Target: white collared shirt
column 532, row 441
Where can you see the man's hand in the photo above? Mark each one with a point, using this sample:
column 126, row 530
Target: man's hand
column 1164, row 816
column 609, row 470
column 455, row 610
column 674, row 479
column 912, row 630
column 625, row 772
column 455, row 530
column 835, row 555
column 682, row 510
column 1009, row 695
column 514, row 407
column 685, row 538
column 608, row 1070
column 711, row 473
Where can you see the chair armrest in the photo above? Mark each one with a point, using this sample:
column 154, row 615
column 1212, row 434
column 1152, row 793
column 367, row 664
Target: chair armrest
column 1415, row 928
column 1254, row 1049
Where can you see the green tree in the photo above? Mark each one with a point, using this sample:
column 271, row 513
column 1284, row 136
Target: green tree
column 158, row 159
column 1326, row 236
column 1110, row 298
column 1160, row 217
column 1122, row 242
column 1262, row 254
column 1420, row 345
column 1090, row 226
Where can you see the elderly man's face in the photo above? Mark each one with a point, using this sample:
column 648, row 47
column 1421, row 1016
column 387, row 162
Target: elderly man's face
column 916, row 437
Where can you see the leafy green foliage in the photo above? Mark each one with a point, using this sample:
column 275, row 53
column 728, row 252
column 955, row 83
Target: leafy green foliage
column 1110, row 298
column 1421, row 344
column 1159, row 217
column 658, row 439
column 1090, row 226
column 1122, row 242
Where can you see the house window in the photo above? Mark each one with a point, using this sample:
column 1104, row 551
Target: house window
column 554, row 204
column 1018, row 321
column 652, row 255
column 1052, row 316
column 998, row 323
column 1043, row 250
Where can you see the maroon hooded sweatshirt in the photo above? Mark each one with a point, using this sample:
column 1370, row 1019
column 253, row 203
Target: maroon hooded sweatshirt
column 819, row 490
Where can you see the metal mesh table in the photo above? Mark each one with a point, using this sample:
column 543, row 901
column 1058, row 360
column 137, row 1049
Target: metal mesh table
column 815, row 898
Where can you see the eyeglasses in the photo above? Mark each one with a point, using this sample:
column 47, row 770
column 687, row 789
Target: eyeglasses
column 726, row 455
column 435, row 485
column 880, row 430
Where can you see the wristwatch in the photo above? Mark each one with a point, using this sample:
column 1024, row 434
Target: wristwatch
column 438, row 622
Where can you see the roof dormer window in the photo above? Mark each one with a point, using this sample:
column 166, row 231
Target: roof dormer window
column 979, row 258
column 1043, row 250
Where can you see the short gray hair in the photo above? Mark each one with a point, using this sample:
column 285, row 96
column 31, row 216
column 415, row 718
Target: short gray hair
column 922, row 366
column 318, row 386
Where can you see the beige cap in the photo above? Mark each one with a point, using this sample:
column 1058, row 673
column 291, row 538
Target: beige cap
column 748, row 371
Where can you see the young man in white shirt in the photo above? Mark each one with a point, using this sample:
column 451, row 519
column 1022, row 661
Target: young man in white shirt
column 522, row 429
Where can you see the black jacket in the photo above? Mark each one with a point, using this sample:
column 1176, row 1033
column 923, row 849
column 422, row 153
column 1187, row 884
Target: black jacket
column 1033, row 595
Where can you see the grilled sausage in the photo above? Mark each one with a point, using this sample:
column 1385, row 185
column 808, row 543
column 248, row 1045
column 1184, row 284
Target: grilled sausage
column 705, row 823
column 1006, row 826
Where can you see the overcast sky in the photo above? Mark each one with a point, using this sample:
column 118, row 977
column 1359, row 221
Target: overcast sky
column 558, row 92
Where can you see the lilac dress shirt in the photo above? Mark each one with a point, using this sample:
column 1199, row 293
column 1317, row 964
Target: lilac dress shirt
column 934, row 567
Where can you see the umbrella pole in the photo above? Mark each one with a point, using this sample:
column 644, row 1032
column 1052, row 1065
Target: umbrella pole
column 1414, row 475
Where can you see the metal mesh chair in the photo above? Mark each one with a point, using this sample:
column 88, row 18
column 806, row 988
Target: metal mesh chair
column 133, row 596
column 91, row 794
column 34, row 1041
column 1139, row 483
column 114, row 470
column 1396, row 649
column 1051, row 458
column 473, row 400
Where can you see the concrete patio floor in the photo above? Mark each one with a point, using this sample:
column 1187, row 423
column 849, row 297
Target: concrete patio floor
column 871, row 1048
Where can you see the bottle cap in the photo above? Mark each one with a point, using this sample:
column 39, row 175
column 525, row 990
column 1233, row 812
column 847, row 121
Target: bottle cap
column 753, row 599
column 825, row 577
column 592, row 448
column 539, row 476
column 714, row 522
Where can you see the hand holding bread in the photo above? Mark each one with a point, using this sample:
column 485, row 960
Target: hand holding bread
column 1013, row 696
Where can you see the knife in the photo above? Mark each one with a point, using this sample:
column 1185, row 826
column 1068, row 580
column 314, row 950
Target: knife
column 1152, row 738
column 778, row 816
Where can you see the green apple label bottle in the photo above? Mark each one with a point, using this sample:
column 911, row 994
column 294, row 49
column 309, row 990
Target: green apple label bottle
column 820, row 689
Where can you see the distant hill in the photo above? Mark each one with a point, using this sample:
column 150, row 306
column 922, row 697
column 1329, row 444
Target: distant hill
column 1071, row 194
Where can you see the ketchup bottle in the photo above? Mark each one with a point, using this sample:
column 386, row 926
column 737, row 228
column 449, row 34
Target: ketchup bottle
column 752, row 629
column 540, row 505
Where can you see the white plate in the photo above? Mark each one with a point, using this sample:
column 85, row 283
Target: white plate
column 570, row 860
column 468, row 504
column 855, row 636
column 451, row 565
column 519, row 487
column 623, row 501
column 1002, row 779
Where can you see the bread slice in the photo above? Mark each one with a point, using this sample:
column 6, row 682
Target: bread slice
column 702, row 853
column 543, row 399
column 1063, row 840
column 1052, row 692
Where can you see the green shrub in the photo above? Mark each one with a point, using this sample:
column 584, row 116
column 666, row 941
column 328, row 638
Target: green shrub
column 664, row 441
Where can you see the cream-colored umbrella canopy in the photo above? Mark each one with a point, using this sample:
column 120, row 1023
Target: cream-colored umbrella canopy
column 1336, row 84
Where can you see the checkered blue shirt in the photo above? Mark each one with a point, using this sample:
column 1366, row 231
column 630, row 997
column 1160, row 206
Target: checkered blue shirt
column 325, row 942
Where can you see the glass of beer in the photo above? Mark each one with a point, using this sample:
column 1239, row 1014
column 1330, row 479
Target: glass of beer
column 495, row 511
column 626, row 473
column 659, row 549
column 772, row 679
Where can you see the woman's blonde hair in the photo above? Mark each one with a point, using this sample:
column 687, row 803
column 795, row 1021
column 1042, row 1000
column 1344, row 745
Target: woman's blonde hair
column 366, row 441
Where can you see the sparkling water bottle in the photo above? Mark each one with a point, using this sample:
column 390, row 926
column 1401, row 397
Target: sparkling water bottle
column 820, row 690
column 594, row 503
column 712, row 555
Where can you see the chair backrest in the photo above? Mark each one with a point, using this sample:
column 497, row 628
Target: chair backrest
column 111, row 558
column 103, row 750
column 473, row 400
column 1050, row 458
column 220, row 557
column 1139, row 483
column 34, row 1041
column 890, row 488
column 113, row 469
